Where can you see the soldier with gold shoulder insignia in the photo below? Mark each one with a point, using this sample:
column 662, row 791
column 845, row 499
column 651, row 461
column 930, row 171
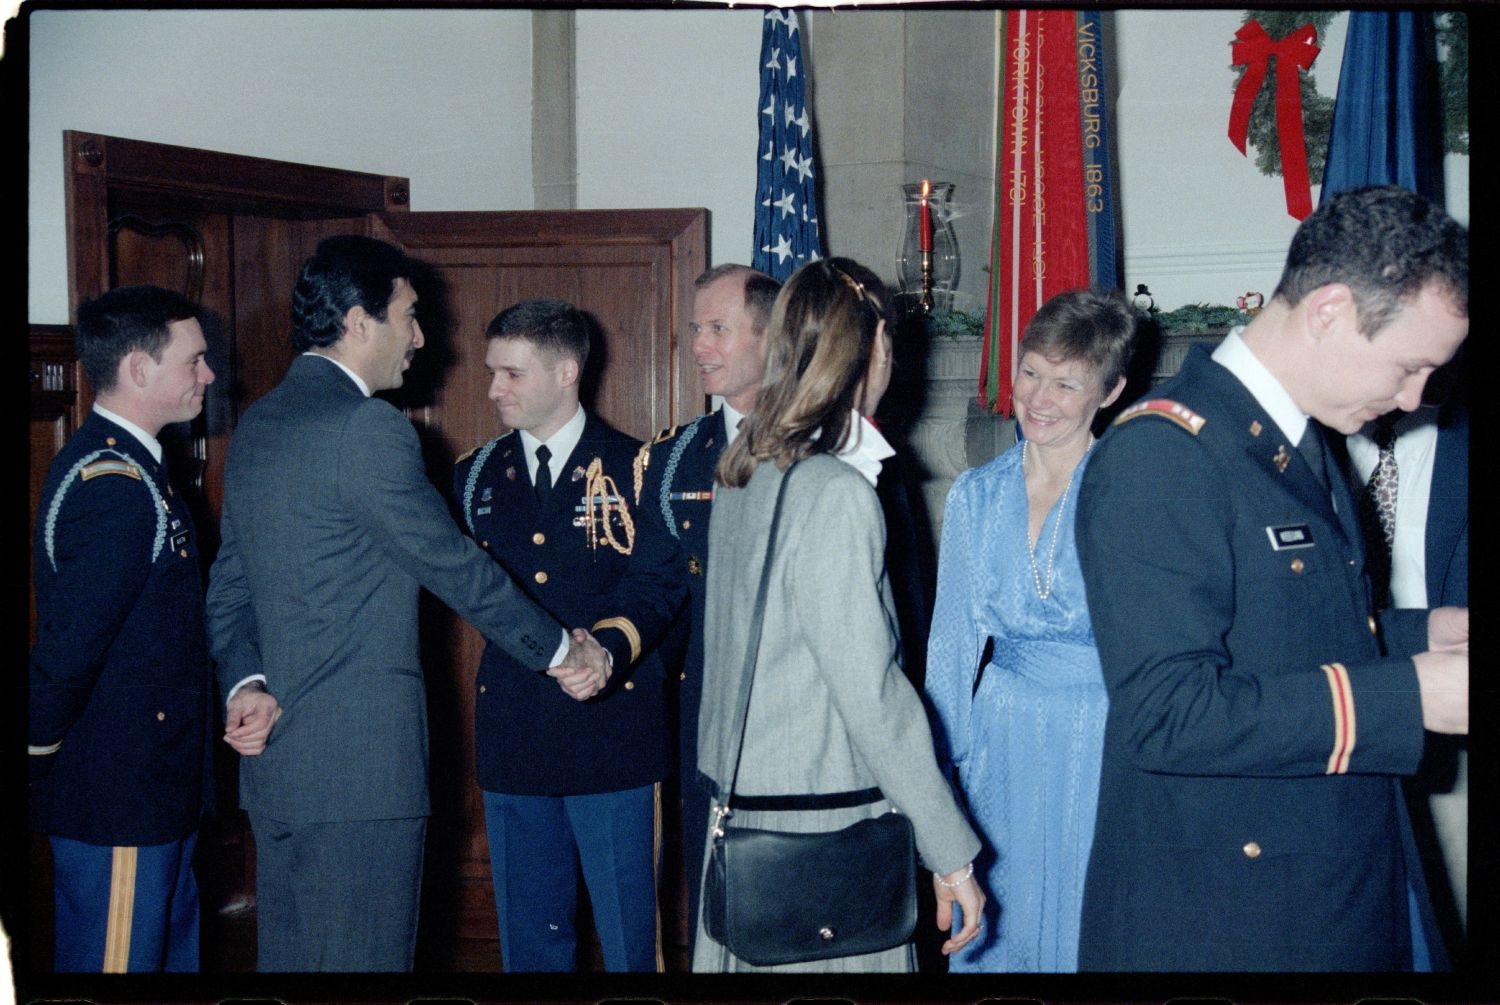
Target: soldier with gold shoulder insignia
column 569, row 777
column 120, row 708
column 1261, row 709
column 674, row 483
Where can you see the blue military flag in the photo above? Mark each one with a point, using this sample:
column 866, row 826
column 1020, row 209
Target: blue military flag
column 786, row 201
column 1387, row 121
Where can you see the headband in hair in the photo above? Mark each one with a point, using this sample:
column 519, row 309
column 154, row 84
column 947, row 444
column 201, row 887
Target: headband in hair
column 858, row 288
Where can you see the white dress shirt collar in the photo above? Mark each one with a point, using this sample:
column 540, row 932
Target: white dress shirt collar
column 151, row 443
column 1236, row 357
column 732, row 419
column 561, row 443
column 864, row 447
column 364, row 388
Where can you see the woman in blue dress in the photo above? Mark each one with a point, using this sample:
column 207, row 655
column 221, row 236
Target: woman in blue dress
column 1026, row 738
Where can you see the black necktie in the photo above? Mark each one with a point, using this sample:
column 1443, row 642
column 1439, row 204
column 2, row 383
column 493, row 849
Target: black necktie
column 1314, row 452
column 543, row 475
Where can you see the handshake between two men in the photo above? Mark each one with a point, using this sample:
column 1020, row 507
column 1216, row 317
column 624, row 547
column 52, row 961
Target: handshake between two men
column 252, row 711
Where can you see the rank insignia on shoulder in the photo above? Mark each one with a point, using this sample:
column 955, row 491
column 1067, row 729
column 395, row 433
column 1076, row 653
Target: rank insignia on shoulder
column 110, row 467
column 666, row 434
column 1167, row 409
column 466, row 456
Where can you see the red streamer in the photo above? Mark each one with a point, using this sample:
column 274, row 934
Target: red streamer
column 1253, row 50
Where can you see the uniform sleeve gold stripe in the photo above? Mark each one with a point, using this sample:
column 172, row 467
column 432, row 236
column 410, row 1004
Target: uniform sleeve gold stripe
column 628, row 629
column 121, row 911
column 35, row 751
column 1343, row 718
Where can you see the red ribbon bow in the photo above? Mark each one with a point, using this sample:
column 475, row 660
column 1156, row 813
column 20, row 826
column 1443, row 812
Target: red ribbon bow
column 1254, row 50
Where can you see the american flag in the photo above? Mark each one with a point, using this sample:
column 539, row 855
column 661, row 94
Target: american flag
column 786, row 206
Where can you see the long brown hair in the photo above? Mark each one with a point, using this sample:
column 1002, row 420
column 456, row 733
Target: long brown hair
column 823, row 326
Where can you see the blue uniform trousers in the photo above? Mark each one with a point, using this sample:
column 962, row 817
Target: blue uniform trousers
column 125, row 910
column 536, row 846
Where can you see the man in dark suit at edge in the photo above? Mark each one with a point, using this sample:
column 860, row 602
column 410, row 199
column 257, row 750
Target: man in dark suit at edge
column 120, row 704
column 569, row 782
column 330, row 528
column 674, row 481
column 1413, row 468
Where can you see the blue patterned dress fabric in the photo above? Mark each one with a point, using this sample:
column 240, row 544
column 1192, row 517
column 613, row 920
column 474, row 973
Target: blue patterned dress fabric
column 1028, row 743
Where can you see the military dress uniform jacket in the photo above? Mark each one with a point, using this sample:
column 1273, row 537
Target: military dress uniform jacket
column 120, row 685
column 1250, row 817
column 674, row 488
column 589, row 560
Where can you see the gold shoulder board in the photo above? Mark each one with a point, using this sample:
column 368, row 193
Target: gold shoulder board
column 1165, row 408
column 110, row 467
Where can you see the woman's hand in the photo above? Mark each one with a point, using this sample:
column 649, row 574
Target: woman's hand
column 962, row 888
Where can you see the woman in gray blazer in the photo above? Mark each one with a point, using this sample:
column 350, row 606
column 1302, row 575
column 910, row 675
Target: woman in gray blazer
column 830, row 711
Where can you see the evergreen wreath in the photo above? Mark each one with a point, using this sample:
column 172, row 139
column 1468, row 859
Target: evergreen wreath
column 1317, row 109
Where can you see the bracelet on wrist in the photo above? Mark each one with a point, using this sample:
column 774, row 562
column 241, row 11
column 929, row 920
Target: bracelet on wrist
column 968, row 875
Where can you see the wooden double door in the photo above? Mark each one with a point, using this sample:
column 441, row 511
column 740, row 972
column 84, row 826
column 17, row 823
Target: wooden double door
column 231, row 232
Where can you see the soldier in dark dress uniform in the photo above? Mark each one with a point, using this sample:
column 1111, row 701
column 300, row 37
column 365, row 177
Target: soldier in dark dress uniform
column 674, row 480
column 120, row 705
column 1260, row 714
column 568, row 775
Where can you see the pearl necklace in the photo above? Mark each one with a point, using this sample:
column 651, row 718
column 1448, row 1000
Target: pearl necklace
column 1062, row 504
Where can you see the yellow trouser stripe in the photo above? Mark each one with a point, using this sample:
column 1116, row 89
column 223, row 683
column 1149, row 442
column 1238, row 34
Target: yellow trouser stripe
column 661, row 959
column 121, row 911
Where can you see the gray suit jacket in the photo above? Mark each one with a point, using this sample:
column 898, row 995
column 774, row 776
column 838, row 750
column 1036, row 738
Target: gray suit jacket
column 830, row 710
column 330, row 527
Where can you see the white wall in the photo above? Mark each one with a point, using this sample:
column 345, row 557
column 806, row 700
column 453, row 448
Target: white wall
column 441, row 97
column 667, row 116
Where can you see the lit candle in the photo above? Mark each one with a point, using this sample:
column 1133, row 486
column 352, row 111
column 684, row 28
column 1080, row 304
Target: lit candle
column 924, row 218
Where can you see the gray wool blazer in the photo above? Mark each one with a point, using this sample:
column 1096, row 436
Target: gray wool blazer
column 330, row 528
column 830, row 709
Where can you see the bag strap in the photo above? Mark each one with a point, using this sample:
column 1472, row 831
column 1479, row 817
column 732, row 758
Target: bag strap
column 747, row 677
column 819, row 801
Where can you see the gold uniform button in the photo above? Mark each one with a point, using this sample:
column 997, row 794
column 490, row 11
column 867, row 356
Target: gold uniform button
column 1251, row 850
column 687, row 525
column 161, row 717
column 539, row 538
column 483, row 688
column 1298, row 566
column 630, row 685
column 1374, row 628
column 682, row 676
column 540, row 577
column 484, row 544
column 183, row 553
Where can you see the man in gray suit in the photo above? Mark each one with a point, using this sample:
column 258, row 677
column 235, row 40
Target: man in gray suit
column 330, row 527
